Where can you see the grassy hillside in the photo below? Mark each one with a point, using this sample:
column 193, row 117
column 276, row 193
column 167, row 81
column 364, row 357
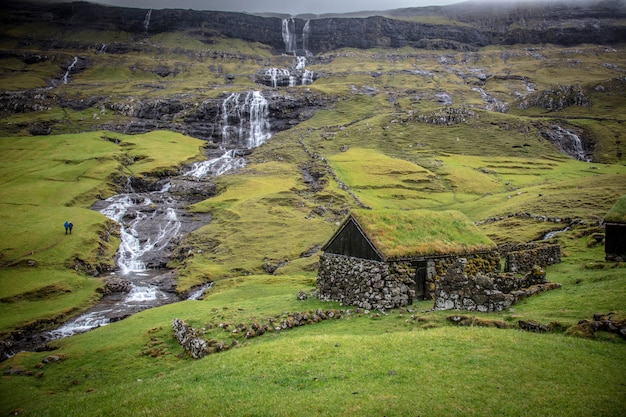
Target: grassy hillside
column 403, row 129
column 45, row 274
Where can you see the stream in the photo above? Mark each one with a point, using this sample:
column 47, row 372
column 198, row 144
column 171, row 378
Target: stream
column 152, row 222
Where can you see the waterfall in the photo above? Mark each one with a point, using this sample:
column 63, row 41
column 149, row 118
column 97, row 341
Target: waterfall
column 289, row 34
column 244, row 120
column 307, row 77
column 306, row 32
column 244, row 125
column 69, row 69
column 576, row 146
column 300, row 62
column 149, row 220
column 276, row 74
column 568, row 142
column 146, row 21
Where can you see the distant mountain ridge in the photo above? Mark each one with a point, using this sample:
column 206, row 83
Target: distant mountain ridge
column 463, row 26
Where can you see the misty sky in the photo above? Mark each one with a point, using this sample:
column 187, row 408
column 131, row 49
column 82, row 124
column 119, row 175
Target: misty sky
column 278, row 6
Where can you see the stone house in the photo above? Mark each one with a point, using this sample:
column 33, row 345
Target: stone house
column 615, row 232
column 382, row 259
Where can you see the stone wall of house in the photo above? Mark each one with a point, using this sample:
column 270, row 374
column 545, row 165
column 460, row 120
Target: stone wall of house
column 437, row 267
column 522, row 258
column 460, row 290
column 363, row 283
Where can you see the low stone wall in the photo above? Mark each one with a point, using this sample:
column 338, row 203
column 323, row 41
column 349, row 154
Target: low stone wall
column 486, row 292
column 524, row 257
column 193, row 341
column 189, row 339
column 363, row 283
column 474, row 263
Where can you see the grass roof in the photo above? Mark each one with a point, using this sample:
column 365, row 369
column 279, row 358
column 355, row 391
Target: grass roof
column 617, row 213
column 399, row 234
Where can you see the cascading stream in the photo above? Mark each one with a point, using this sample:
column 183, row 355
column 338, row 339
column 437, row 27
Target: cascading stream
column 150, row 221
column 66, row 76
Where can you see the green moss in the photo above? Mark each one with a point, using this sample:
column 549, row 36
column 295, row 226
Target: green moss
column 420, row 232
column 617, row 213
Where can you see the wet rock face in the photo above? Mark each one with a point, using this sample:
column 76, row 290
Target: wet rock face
column 562, row 23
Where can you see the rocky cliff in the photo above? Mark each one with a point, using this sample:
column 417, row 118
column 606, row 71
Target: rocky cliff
column 462, row 26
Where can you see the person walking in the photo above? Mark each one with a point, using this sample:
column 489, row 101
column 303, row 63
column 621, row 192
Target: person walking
column 68, row 227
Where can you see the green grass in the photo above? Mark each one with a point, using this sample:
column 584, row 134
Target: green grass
column 259, row 215
column 365, row 364
column 421, row 232
column 49, row 180
column 371, row 136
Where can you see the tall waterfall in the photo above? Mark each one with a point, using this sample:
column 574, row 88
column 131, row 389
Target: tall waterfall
column 244, row 120
column 245, row 125
column 146, row 21
column 69, row 69
column 289, row 34
column 306, row 32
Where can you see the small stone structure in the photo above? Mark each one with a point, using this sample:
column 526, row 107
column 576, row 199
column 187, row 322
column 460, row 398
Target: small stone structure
column 458, row 290
column 383, row 259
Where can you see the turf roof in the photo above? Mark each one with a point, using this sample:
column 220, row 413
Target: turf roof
column 399, row 234
column 617, row 213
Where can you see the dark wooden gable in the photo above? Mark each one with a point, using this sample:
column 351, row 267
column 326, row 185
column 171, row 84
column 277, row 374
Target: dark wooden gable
column 615, row 240
column 350, row 240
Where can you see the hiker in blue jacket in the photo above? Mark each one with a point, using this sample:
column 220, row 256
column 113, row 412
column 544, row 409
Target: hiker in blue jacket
column 68, row 227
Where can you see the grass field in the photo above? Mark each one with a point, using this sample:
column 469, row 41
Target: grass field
column 379, row 143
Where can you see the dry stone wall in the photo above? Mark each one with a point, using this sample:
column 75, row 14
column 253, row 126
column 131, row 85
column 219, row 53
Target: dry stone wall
column 525, row 257
column 363, row 283
column 458, row 290
column 480, row 262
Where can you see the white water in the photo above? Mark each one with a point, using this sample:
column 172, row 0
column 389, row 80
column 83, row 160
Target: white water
column 289, row 34
column 229, row 161
column 132, row 210
column 553, row 233
column 245, row 125
column 244, row 120
column 66, row 77
column 146, row 21
column 300, row 62
column 81, row 324
column 200, row 292
column 570, row 143
column 307, row 77
column 277, row 73
column 306, row 32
